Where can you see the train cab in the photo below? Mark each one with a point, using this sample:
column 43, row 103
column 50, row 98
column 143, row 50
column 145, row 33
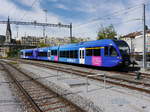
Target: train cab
column 104, row 53
column 124, row 52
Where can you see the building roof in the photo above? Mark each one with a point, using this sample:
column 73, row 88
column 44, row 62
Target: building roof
column 134, row 34
column 8, row 27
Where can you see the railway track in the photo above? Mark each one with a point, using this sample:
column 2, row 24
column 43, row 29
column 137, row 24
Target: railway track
column 131, row 84
column 35, row 96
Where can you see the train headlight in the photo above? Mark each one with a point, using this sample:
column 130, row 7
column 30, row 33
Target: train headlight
column 119, row 57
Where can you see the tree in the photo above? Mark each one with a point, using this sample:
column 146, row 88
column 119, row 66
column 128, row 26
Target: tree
column 13, row 53
column 75, row 40
column 43, row 45
column 106, row 32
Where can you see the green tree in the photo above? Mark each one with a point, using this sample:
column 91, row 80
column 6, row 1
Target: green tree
column 43, row 45
column 13, row 53
column 75, row 40
column 106, row 32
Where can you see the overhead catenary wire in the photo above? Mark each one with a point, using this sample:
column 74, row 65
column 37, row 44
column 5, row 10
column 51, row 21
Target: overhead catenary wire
column 31, row 7
column 107, row 17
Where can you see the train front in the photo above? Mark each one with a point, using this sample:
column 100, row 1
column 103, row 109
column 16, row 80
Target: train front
column 124, row 52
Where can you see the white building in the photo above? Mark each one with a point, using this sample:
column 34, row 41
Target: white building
column 135, row 41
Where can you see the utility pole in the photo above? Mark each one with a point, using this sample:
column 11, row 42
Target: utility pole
column 144, row 39
column 17, row 28
column 71, row 33
column 44, row 27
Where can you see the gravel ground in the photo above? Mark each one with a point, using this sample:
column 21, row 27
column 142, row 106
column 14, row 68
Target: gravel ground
column 110, row 99
column 8, row 102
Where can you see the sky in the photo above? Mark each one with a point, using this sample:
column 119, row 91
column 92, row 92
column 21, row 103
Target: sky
column 87, row 16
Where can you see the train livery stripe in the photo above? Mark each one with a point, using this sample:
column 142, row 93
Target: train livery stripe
column 96, row 60
column 55, row 58
column 95, row 48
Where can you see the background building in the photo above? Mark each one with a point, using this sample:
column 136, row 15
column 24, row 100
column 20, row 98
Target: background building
column 49, row 41
column 30, row 40
column 6, row 40
column 135, row 41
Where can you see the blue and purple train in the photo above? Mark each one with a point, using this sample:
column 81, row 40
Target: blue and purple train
column 101, row 53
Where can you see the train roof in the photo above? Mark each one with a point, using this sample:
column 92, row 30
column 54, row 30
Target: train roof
column 27, row 50
column 43, row 49
column 54, row 47
column 102, row 42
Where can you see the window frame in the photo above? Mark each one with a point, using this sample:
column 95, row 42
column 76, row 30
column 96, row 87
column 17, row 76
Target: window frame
column 114, row 50
column 43, row 54
column 91, row 51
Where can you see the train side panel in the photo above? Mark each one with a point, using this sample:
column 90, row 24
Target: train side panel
column 69, row 53
column 42, row 54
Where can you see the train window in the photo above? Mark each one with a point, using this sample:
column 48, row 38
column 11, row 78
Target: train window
column 88, row 52
column 42, row 54
column 106, row 51
column 28, row 54
column 113, row 51
column 63, row 54
column 54, row 52
column 96, row 52
column 67, row 54
column 76, row 54
column 71, row 54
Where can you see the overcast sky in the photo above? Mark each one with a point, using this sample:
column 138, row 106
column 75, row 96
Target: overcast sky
column 87, row 16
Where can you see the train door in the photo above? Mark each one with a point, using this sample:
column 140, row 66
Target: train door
column 81, row 55
column 49, row 54
column 24, row 56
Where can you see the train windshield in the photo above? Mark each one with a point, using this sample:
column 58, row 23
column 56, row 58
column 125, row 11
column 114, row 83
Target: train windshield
column 123, row 48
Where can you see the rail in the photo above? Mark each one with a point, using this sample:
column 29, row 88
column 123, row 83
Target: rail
column 75, row 100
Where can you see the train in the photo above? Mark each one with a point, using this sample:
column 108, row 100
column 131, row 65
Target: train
column 100, row 53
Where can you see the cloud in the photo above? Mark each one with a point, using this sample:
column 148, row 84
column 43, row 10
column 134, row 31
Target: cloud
column 61, row 6
column 53, row 0
column 112, row 12
column 118, row 14
column 16, row 13
column 28, row 2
